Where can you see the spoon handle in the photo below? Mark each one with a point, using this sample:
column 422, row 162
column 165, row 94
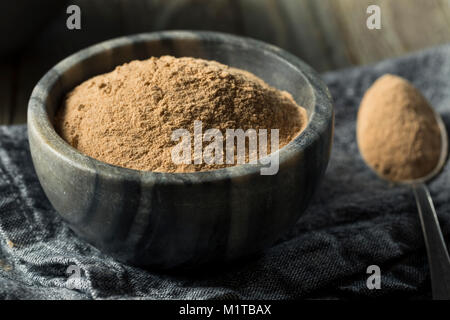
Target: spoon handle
column 438, row 257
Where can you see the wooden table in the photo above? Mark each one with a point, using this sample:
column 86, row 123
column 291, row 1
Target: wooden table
column 328, row 34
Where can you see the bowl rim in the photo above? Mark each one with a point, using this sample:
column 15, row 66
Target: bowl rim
column 41, row 127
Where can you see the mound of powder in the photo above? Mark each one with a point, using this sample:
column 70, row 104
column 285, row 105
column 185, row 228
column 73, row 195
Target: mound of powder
column 397, row 131
column 126, row 117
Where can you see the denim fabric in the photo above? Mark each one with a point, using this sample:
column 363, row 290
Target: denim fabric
column 354, row 221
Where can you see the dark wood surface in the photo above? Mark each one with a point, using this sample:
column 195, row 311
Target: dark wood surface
column 328, row 34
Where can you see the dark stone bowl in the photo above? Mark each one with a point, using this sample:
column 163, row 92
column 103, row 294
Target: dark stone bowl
column 181, row 220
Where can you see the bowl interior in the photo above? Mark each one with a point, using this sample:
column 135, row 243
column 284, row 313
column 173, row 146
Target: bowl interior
column 231, row 51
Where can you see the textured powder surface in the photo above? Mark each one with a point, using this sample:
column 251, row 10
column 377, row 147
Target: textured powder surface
column 397, row 132
column 126, row 117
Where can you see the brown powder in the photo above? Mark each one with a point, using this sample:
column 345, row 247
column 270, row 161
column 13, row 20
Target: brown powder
column 126, row 117
column 397, row 132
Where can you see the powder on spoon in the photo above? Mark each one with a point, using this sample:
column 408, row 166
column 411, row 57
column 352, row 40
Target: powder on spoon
column 126, row 117
column 397, row 132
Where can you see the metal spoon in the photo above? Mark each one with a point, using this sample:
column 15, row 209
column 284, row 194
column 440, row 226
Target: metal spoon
column 438, row 257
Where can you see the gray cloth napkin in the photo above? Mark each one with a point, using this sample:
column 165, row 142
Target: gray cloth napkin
column 354, row 221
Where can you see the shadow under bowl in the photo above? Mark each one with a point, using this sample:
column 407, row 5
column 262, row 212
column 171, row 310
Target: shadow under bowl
column 181, row 220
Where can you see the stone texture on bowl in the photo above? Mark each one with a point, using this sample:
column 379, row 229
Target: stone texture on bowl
column 180, row 220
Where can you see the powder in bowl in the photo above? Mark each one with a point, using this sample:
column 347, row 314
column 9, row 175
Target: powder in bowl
column 126, row 117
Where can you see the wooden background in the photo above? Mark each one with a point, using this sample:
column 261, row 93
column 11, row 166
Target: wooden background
column 328, row 34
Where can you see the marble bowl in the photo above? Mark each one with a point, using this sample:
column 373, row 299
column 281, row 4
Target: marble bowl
column 181, row 220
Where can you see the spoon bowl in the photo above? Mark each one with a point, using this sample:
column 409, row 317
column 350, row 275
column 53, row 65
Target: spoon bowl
column 442, row 158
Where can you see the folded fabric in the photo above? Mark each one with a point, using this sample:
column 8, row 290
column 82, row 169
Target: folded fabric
column 355, row 221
